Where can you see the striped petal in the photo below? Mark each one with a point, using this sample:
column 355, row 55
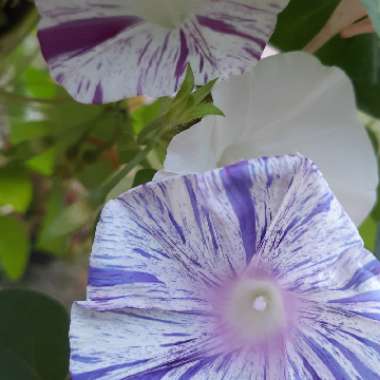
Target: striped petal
column 149, row 345
column 178, row 265
column 277, row 113
column 118, row 344
column 164, row 244
column 335, row 343
column 312, row 236
column 105, row 51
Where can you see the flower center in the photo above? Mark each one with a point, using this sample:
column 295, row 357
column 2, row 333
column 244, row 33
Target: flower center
column 254, row 310
column 166, row 13
column 260, row 303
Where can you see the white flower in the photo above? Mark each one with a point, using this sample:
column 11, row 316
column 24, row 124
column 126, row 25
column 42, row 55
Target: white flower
column 289, row 103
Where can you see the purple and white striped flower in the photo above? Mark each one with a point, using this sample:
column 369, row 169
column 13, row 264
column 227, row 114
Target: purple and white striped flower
column 103, row 51
column 252, row 271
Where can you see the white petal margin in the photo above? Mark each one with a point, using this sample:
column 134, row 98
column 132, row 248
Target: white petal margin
column 289, row 103
column 103, row 51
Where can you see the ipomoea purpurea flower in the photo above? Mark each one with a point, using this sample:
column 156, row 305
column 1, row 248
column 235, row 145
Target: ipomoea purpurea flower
column 103, row 51
column 251, row 271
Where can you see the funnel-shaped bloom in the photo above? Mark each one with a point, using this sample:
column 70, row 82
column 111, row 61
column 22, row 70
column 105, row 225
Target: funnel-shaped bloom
column 252, row 271
column 103, row 51
column 289, row 103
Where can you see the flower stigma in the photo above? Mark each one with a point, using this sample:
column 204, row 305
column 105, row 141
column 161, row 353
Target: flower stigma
column 254, row 311
column 260, row 303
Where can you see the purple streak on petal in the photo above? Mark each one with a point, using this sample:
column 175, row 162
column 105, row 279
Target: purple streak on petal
column 81, row 34
column 195, row 369
column 309, row 368
column 363, row 274
column 177, row 227
column 371, row 296
column 142, row 253
column 253, row 53
column 238, row 183
column 152, row 375
column 178, row 343
column 183, row 56
column 144, row 50
column 194, row 205
column 146, row 318
column 98, row 373
column 366, row 342
column 84, row 359
column 111, row 276
column 360, row 367
column 221, row 26
column 322, row 206
column 332, row 364
column 374, row 316
column 98, row 96
column 60, row 78
column 212, row 232
column 176, row 334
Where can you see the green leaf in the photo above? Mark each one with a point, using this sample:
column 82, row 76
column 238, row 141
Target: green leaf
column 121, row 187
column 55, row 206
column 152, row 130
column 33, row 337
column 29, row 130
column 94, row 174
column 357, row 56
column 143, row 176
column 144, row 116
column 203, row 92
column 14, row 247
column 368, row 232
column 15, row 367
column 43, row 163
column 70, row 220
column 15, row 189
column 187, row 84
column 39, row 83
column 201, row 111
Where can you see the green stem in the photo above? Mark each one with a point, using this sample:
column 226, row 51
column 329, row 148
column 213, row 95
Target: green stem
column 10, row 96
column 99, row 196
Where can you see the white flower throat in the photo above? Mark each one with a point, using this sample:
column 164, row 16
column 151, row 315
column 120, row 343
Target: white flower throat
column 255, row 310
column 166, row 13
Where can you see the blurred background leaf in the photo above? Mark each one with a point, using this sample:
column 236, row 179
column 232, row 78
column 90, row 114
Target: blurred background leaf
column 14, row 247
column 16, row 188
column 33, row 337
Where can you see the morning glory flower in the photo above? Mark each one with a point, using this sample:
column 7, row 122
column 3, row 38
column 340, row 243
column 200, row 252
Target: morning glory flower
column 289, row 103
column 103, row 51
column 251, row 271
